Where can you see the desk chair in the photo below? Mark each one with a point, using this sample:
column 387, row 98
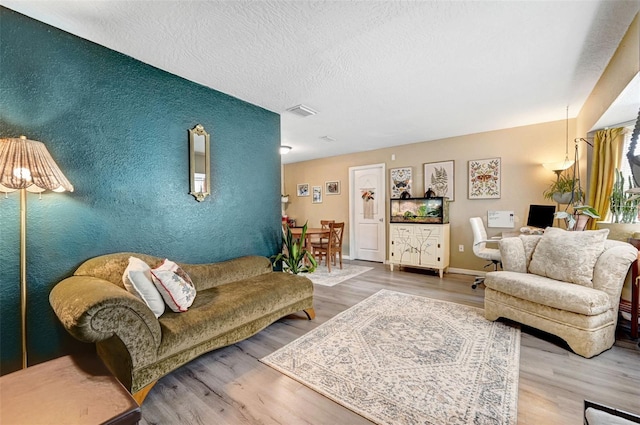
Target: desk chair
column 480, row 247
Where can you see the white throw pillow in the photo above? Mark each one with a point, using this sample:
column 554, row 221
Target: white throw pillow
column 137, row 280
column 569, row 256
column 175, row 286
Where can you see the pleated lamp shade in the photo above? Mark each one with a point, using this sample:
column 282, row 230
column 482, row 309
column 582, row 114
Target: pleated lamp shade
column 27, row 164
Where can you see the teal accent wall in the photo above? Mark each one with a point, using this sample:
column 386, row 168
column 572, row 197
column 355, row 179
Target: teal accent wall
column 118, row 129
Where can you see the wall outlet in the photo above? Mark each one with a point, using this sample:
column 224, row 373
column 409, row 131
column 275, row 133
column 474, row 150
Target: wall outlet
column 461, row 248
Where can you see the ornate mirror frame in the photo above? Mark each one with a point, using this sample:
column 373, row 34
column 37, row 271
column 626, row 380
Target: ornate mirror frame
column 199, row 163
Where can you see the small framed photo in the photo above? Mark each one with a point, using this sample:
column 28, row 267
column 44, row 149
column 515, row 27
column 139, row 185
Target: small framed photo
column 303, row 189
column 316, row 195
column 401, row 181
column 484, row 178
column 440, row 177
column 332, row 188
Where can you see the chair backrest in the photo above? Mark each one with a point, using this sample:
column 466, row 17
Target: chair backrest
column 324, row 224
column 479, row 234
column 337, row 230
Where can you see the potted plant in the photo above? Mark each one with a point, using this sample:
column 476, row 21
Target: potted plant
column 284, row 198
column 563, row 188
column 579, row 218
column 294, row 256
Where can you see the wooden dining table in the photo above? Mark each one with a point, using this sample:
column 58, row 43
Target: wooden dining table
column 311, row 231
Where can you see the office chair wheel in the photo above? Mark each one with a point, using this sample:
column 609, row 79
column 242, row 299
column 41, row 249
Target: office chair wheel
column 477, row 282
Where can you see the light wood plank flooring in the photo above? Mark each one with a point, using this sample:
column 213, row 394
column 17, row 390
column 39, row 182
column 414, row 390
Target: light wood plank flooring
column 230, row 385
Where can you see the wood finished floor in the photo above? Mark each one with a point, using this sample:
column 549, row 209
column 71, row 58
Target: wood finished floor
column 230, row 385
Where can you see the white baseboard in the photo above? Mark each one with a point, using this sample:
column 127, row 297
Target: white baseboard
column 466, row 271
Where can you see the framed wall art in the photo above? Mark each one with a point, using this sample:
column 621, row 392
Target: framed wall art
column 484, row 178
column 401, row 181
column 332, row 188
column 439, row 177
column 303, row 189
column 316, row 195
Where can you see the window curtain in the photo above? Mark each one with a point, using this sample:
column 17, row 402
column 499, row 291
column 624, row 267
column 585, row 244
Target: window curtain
column 607, row 156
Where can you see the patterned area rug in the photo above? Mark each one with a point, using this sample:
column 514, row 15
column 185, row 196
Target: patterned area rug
column 396, row 358
column 321, row 275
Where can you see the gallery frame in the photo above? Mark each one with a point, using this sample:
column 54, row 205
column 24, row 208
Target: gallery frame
column 332, row 187
column 485, row 177
column 316, row 195
column 440, row 177
column 303, row 189
column 401, row 181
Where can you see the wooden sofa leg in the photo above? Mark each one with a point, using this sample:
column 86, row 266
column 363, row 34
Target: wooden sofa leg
column 142, row 394
column 311, row 313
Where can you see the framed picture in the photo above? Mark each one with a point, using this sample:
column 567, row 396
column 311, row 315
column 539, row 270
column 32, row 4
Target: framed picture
column 401, row 180
column 316, row 197
column 332, row 188
column 484, row 178
column 303, row 189
column 440, row 177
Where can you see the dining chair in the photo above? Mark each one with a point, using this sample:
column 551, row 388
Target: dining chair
column 324, row 224
column 331, row 249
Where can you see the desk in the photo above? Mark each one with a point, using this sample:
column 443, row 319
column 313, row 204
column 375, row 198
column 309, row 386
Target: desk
column 72, row 390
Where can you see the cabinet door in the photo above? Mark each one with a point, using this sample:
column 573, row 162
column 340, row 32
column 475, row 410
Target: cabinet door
column 401, row 244
column 427, row 244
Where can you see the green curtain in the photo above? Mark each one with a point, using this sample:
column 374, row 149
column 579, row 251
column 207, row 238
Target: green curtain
column 607, row 156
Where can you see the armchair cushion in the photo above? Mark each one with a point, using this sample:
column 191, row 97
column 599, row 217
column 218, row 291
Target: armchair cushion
column 568, row 256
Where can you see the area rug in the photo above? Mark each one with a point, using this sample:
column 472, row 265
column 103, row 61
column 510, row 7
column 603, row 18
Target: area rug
column 396, row 358
column 321, row 275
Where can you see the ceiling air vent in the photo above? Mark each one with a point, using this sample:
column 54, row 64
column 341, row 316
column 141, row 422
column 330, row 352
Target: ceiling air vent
column 302, row 110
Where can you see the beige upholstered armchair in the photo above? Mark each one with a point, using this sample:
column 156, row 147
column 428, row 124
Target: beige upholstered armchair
column 564, row 283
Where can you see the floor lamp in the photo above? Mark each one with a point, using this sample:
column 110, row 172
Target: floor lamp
column 26, row 165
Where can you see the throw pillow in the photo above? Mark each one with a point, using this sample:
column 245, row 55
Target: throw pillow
column 137, row 281
column 569, row 256
column 175, row 286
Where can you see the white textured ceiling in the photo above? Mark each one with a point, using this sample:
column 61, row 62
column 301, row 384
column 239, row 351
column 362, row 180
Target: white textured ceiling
column 379, row 73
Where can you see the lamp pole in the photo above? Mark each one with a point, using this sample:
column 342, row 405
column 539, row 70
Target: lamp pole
column 23, row 273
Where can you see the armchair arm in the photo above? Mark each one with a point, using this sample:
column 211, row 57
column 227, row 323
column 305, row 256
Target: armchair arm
column 611, row 269
column 93, row 310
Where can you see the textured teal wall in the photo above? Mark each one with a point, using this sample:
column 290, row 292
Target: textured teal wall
column 118, row 130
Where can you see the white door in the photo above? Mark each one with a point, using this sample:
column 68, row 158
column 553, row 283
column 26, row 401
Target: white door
column 367, row 193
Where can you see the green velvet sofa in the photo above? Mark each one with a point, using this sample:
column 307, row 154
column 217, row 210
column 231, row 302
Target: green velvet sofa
column 235, row 300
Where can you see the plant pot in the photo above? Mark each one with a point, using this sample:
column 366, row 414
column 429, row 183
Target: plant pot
column 562, row 198
column 581, row 222
column 284, row 199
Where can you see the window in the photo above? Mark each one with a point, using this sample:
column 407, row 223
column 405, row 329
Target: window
column 625, row 167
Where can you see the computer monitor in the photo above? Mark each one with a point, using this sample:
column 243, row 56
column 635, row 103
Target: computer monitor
column 541, row 216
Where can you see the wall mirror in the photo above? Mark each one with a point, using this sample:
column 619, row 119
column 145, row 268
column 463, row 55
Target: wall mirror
column 199, row 162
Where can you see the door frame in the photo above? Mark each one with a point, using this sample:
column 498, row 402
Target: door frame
column 352, row 218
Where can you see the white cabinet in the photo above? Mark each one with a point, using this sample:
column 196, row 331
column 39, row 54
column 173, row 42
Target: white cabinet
column 419, row 245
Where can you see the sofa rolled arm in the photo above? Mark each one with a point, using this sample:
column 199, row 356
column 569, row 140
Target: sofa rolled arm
column 93, row 310
column 611, row 269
